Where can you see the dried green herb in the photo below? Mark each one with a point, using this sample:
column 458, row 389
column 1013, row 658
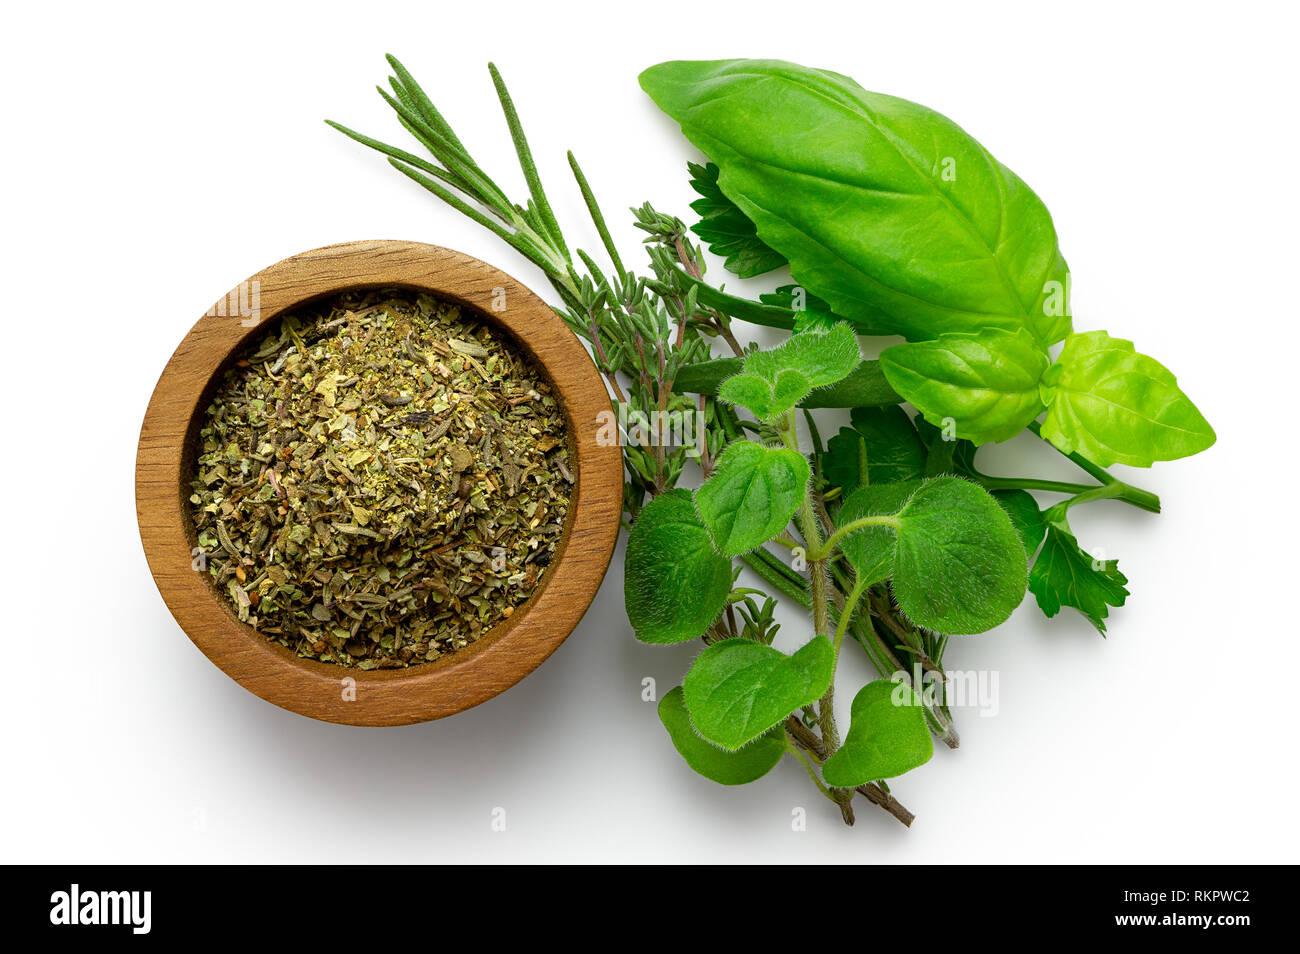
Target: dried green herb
column 380, row 480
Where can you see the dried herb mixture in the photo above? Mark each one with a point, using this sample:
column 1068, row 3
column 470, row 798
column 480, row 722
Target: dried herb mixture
column 380, row 480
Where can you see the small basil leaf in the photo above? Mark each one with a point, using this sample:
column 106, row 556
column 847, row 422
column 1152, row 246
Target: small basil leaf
column 1064, row 575
column 674, row 582
column 751, row 496
column 887, row 737
column 726, row 768
column 894, row 451
column 1116, row 406
column 738, row 689
column 959, row 567
column 986, row 383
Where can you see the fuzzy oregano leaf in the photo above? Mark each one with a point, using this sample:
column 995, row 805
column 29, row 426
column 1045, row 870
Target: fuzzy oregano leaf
column 738, row 689
column 986, row 383
column 959, row 566
column 1116, row 406
column 774, row 381
column 887, row 737
column 870, row 551
column 674, row 582
column 751, row 496
column 726, row 768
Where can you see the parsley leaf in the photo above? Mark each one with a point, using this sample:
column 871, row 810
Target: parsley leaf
column 1065, row 575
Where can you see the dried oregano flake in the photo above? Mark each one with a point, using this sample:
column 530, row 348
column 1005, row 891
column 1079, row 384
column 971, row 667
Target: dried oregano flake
column 380, row 480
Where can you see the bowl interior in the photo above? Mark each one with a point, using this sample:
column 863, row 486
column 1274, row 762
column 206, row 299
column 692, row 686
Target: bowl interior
column 190, row 453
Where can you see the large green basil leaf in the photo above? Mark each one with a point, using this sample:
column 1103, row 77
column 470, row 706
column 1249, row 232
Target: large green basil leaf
column 1116, row 406
column 887, row 737
column 738, row 689
column 726, row 768
column 886, row 209
column 674, row 582
column 986, row 383
column 752, row 494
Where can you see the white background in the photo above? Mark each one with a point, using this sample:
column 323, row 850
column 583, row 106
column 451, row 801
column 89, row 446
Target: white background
column 155, row 156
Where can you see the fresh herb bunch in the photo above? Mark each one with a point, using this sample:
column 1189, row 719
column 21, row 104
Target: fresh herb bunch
column 893, row 221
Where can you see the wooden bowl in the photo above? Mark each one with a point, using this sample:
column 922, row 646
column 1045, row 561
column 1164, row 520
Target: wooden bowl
column 498, row 659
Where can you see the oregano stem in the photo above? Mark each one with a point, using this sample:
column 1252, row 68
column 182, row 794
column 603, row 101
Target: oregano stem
column 798, row 753
column 825, row 550
column 846, row 614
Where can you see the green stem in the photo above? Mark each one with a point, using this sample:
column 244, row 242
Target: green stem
column 846, row 614
column 771, row 570
column 1104, row 492
column 798, row 753
column 1143, row 499
column 1031, row 483
column 825, row 550
column 812, row 535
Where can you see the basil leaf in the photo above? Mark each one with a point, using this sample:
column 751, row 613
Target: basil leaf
column 959, row 567
column 1116, row 406
column 884, row 208
column 882, row 438
column 724, row 228
column 726, row 768
column 887, row 737
column 674, row 583
column 987, row 383
column 753, row 493
column 1026, row 518
column 870, row 550
column 1064, row 575
column 738, row 689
